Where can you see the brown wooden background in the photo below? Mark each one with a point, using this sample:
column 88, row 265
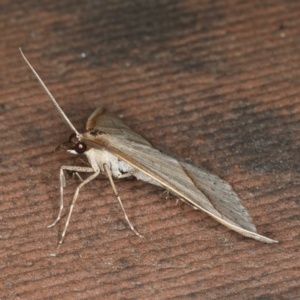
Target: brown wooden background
column 217, row 82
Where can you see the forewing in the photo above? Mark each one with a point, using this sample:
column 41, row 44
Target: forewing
column 103, row 121
column 193, row 184
column 218, row 191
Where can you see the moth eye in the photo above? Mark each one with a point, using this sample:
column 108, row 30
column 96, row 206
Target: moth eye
column 73, row 138
column 80, row 148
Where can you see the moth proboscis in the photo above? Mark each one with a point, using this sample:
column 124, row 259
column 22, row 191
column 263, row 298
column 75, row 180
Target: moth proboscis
column 113, row 149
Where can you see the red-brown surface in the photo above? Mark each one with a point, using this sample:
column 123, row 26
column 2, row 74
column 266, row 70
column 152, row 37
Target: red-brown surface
column 217, row 82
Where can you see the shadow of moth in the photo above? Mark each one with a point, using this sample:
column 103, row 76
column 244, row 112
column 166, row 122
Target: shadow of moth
column 113, row 149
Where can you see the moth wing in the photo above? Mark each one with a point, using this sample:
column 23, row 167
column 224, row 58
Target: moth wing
column 219, row 192
column 103, row 120
column 196, row 186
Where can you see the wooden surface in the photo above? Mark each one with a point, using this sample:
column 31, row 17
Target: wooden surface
column 217, row 82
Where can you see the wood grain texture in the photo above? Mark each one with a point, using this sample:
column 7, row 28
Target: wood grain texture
column 215, row 82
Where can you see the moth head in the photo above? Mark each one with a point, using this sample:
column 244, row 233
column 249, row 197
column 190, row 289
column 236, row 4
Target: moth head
column 73, row 145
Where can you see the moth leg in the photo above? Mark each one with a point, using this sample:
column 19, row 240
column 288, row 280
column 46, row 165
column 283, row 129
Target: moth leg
column 62, row 180
column 167, row 193
column 74, row 164
column 108, row 173
column 125, row 175
column 186, row 202
column 81, row 160
column 76, row 196
column 77, row 174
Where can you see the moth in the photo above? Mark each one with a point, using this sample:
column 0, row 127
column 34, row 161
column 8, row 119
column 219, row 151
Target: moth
column 113, row 149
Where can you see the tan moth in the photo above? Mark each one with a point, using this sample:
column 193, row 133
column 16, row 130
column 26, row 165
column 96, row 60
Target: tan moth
column 113, row 149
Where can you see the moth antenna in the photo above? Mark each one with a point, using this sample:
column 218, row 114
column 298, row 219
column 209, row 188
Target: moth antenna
column 63, row 115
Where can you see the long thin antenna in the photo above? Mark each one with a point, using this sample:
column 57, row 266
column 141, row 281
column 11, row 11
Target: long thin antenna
column 64, row 117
